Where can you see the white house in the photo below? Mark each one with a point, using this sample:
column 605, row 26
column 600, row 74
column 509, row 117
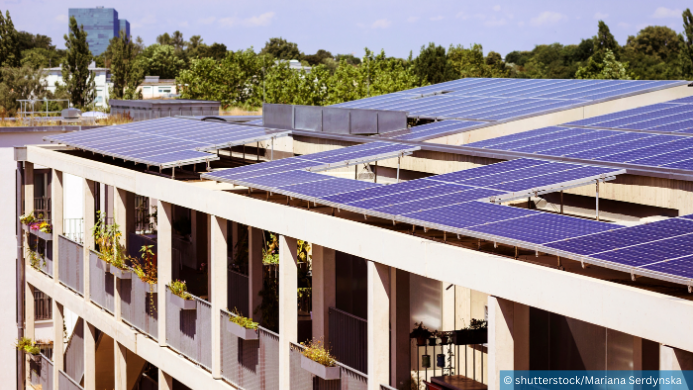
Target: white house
column 155, row 88
column 102, row 79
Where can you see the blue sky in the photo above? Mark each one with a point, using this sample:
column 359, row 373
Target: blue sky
column 349, row 26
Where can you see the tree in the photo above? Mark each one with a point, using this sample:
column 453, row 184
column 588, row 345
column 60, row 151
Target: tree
column 216, row 51
column 432, row 65
column 126, row 73
column 653, row 53
column 604, row 41
column 281, row 49
column 608, row 69
column 349, row 58
column 471, row 62
column 686, row 45
column 164, row 39
column 296, row 86
column 318, row 58
column 19, row 83
column 177, row 41
column 79, row 81
column 162, row 61
column 9, row 42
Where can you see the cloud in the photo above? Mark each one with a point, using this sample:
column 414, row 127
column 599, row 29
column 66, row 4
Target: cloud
column 183, row 24
column 600, row 16
column 462, row 15
column 62, row 18
column 494, row 22
column 496, row 8
column 436, row 18
column 208, row 20
column 253, row 21
column 413, row 19
column 546, row 18
column 664, row 12
column 381, row 23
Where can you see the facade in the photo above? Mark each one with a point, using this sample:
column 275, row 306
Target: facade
column 378, row 265
column 102, row 78
column 101, row 24
column 155, row 88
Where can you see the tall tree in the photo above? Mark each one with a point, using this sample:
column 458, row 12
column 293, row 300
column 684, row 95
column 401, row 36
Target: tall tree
column 9, row 42
column 686, row 45
column 318, row 57
column 281, row 49
column 78, row 79
column 125, row 72
column 164, row 39
column 19, row 83
column 604, row 41
column 432, row 65
column 608, row 69
column 162, row 61
column 177, row 40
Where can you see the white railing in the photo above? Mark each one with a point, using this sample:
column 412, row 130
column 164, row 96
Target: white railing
column 73, row 228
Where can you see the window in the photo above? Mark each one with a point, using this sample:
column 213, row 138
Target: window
column 164, row 89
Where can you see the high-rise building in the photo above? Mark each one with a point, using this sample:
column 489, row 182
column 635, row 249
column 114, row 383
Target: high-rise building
column 101, row 24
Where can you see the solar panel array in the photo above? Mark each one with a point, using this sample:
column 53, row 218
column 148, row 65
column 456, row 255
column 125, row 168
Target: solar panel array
column 659, row 137
column 436, row 129
column 164, row 142
column 490, row 100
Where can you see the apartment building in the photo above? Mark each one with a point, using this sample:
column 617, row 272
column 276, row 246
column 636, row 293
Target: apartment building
column 439, row 235
column 101, row 24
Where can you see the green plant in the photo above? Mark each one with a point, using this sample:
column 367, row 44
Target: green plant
column 245, row 322
column 270, row 254
column 27, row 345
column 36, row 260
column 477, row 324
column 107, row 238
column 146, row 269
column 34, row 350
column 315, row 350
column 27, row 219
column 179, row 288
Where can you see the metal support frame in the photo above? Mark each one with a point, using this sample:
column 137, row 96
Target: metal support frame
column 597, row 201
column 398, row 163
column 272, row 150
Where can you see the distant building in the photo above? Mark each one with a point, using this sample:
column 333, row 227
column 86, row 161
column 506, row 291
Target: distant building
column 101, row 24
column 102, row 79
column 154, row 88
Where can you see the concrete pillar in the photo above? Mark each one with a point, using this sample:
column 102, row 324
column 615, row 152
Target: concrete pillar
column 89, row 211
column 89, row 356
column 120, row 218
column 120, row 368
column 288, row 308
column 463, row 307
column 324, row 290
column 163, row 264
column 57, row 218
column 508, row 338
column 448, row 306
column 218, row 292
column 28, row 187
column 671, row 358
column 378, row 324
column 29, row 325
column 165, row 381
column 58, row 342
column 399, row 328
column 255, row 272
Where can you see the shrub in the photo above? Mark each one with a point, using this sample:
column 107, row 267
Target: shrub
column 245, row 322
column 180, row 289
column 315, row 350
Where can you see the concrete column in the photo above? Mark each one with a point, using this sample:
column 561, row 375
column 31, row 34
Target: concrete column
column 120, row 218
column 89, row 211
column 378, row 324
column 163, row 264
column 120, row 368
column 218, row 292
column 463, row 307
column 324, row 290
column 255, row 272
column 400, row 359
column 57, row 218
column 671, row 358
column 288, row 308
column 165, row 381
column 28, row 187
column 448, row 306
column 29, row 325
column 58, row 342
column 508, row 338
column 89, row 356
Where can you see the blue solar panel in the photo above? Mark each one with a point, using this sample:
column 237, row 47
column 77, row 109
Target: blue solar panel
column 407, row 196
column 470, row 214
column 649, row 253
column 615, row 138
column 329, row 187
column 686, row 164
column 555, row 178
column 533, row 140
column 587, row 135
column 435, row 129
column 439, row 201
column 493, row 180
column 682, row 267
column 285, row 178
column 380, row 191
column 518, row 136
column 488, row 170
column 686, row 100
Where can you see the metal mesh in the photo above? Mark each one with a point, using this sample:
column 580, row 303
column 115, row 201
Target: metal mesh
column 70, row 263
column 269, row 359
column 237, row 292
column 42, row 374
column 303, row 380
column 139, row 305
column 190, row 331
column 66, row 383
column 352, row 380
column 242, row 362
column 74, row 353
column 300, row 379
column 348, row 339
column 101, row 283
column 386, row 387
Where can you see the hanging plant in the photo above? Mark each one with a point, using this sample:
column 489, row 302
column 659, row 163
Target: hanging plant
column 270, row 253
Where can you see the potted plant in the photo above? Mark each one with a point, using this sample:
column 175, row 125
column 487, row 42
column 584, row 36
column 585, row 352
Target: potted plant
column 242, row 327
column 28, row 346
column 420, row 333
column 181, row 297
column 317, row 360
column 475, row 333
column 146, row 268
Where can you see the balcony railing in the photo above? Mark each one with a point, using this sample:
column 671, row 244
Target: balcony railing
column 101, row 283
column 42, row 206
column 348, row 339
column 42, row 374
column 190, row 331
column 67, row 383
column 350, row 379
column 74, row 354
column 71, row 257
column 73, row 228
column 249, row 364
column 139, row 305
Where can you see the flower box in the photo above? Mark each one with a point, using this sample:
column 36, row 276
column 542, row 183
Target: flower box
column 315, row 368
column 38, row 233
column 471, row 336
column 184, row 304
column 241, row 332
column 120, row 273
column 35, row 358
column 102, row 265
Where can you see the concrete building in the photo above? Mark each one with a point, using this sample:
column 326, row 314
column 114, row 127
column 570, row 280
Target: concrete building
column 155, row 88
column 102, row 78
column 101, row 24
column 236, row 204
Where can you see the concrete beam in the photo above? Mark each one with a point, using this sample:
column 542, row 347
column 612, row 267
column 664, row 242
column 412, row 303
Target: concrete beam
column 378, row 324
column 288, row 298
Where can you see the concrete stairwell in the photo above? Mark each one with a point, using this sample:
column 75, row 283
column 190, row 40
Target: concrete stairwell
column 105, row 376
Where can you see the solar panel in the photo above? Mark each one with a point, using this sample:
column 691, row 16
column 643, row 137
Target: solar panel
column 407, row 196
column 682, row 267
column 435, row 129
column 648, row 253
column 469, row 214
column 284, row 179
column 328, row 187
column 415, row 206
column 356, row 196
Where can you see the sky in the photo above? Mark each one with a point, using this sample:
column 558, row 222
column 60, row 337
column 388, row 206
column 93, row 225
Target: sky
column 343, row 27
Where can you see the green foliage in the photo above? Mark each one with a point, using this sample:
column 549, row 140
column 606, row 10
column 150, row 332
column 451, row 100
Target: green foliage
column 161, row 60
column 477, row 324
column 291, row 86
column 318, row 58
column 25, row 344
column 281, row 49
column 107, row 239
column 432, row 65
column 146, row 268
column 9, row 42
column 20, row 83
column 78, row 79
column 180, row 288
column 607, row 69
column 686, row 46
column 604, row 41
column 270, row 253
column 245, row 322
column 126, row 72
column 315, row 350
column 470, row 62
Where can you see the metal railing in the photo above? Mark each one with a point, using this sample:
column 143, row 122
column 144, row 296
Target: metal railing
column 237, row 292
column 470, row 361
column 67, row 383
column 348, row 339
column 190, row 331
column 73, row 228
column 101, row 283
column 42, row 374
column 249, row 364
column 74, row 353
column 71, row 270
column 301, row 379
column 386, row 387
column 42, row 205
column 183, row 252
column 139, row 305
column 42, row 306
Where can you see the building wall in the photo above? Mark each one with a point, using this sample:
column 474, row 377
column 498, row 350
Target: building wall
column 124, row 25
column 101, row 24
column 54, row 76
